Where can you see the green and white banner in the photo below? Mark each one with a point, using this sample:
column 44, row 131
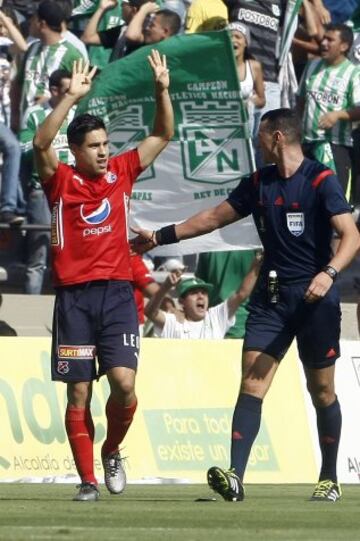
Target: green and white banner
column 211, row 149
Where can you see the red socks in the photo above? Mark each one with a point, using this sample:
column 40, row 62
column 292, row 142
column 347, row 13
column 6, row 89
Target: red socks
column 119, row 419
column 80, row 430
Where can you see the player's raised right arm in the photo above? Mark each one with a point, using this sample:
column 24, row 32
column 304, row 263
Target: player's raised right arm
column 45, row 157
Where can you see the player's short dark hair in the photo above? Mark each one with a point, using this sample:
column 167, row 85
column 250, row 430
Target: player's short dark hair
column 346, row 34
column 170, row 19
column 57, row 76
column 81, row 125
column 284, row 120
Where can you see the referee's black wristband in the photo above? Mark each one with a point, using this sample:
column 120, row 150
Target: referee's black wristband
column 166, row 235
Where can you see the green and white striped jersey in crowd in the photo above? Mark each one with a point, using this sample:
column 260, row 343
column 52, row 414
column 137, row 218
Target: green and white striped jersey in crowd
column 38, row 64
column 329, row 88
column 34, row 117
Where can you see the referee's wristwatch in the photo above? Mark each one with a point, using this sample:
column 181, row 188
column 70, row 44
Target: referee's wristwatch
column 330, row 271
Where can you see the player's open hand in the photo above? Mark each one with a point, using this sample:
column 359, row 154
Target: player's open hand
column 159, row 66
column 143, row 242
column 81, row 79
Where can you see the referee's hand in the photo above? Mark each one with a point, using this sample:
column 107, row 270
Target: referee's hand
column 143, row 242
column 319, row 286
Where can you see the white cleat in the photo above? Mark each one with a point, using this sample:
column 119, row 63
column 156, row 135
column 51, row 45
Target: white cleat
column 114, row 473
column 88, row 492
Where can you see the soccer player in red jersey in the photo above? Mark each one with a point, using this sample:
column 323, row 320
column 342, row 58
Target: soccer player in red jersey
column 95, row 315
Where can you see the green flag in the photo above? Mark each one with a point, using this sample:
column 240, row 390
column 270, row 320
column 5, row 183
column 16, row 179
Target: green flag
column 211, row 149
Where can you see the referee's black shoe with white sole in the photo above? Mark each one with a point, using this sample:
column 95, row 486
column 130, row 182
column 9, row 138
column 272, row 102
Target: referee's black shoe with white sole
column 226, row 483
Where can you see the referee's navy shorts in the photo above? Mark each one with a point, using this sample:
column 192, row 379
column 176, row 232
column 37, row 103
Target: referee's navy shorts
column 271, row 328
column 94, row 321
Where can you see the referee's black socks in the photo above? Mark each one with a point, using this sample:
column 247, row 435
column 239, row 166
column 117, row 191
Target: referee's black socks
column 329, row 430
column 245, row 427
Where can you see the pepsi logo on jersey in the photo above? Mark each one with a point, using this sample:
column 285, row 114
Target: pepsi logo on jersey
column 97, row 230
column 96, row 216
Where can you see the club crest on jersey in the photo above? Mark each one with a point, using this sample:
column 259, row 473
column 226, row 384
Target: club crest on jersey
column 110, row 177
column 296, row 223
column 95, row 216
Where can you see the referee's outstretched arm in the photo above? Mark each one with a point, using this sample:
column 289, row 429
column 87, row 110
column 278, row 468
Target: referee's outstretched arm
column 204, row 222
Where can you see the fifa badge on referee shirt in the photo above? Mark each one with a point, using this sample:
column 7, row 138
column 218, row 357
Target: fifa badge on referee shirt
column 296, row 223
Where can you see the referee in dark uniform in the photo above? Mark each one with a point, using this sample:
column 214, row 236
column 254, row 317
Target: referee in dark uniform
column 296, row 204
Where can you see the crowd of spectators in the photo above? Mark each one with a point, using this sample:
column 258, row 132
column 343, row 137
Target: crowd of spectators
column 39, row 41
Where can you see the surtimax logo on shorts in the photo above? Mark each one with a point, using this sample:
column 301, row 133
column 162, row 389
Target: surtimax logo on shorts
column 296, row 223
column 76, row 352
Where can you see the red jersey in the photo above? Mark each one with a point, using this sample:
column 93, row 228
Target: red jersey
column 89, row 234
column 142, row 277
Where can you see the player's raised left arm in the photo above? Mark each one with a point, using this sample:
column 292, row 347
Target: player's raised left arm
column 45, row 156
column 163, row 129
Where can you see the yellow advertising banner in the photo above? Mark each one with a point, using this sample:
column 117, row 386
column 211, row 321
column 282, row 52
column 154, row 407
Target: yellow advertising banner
column 186, row 392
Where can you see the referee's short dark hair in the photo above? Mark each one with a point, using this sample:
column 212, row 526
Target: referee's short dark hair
column 285, row 120
column 346, row 34
column 81, row 125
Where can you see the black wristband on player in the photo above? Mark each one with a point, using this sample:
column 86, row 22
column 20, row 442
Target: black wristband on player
column 330, row 271
column 166, row 235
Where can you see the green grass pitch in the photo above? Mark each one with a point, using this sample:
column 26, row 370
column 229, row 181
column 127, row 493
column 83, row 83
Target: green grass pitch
column 170, row 513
